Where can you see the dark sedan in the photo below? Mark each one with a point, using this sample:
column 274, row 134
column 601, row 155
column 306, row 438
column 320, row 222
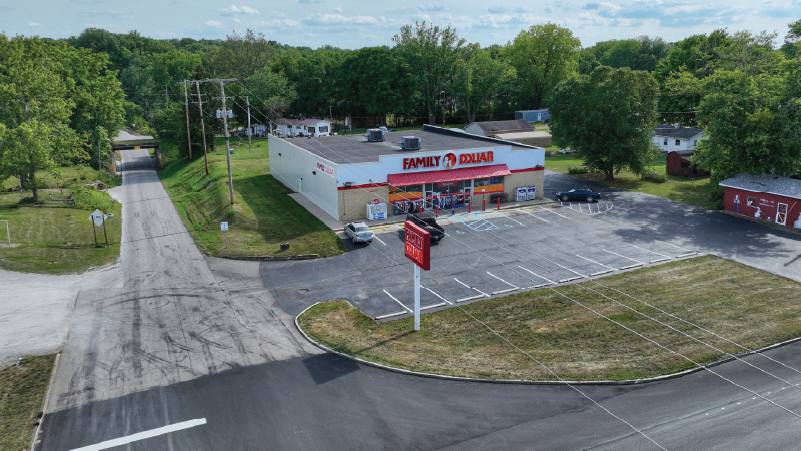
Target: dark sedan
column 578, row 194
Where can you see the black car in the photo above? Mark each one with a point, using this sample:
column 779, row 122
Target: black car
column 429, row 225
column 578, row 194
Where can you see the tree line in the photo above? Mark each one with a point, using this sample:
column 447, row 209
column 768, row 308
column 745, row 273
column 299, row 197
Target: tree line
column 741, row 87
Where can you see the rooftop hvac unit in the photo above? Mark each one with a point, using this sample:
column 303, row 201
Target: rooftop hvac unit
column 375, row 135
column 411, row 142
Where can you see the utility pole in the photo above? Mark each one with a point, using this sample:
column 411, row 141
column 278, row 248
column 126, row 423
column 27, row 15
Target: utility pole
column 202, row 126
column 227, row 152
column 188, row 133
column 250, row 132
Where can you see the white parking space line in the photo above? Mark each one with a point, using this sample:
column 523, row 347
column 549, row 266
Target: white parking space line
column 390, row 315
column 599, row 264
column 535, row 216
column 557, row 214
column 143, row 435
column 507, row 283
column 531, row 272
column 627, row 258
column 646, row 250
column 677, row 247
column 379, row 240
column 515, row 220
column 437, row 295
column 399, row 302
column 472, row 288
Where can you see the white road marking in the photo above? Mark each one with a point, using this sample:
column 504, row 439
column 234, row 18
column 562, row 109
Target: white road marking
column 557, row 214
column 515, row 220
column 437, row 295
column 646, row 250
column 468, row 286
column 627, row 258
column 677, row 247
column 507, row 283
column 535, row 216
column 399, row 302
column 390, row 315
column 143, row 435
column 600, row 264
column 379, row 240
column 524, row 269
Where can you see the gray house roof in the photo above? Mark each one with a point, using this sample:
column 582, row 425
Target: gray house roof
column 504, row 126
column 765, row 183
column 669, row 131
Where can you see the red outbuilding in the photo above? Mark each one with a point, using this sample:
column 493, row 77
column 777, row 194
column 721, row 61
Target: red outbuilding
column 767, row 197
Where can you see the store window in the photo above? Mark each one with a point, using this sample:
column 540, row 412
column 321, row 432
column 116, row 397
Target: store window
column 489, row 185
column 406, row 199
column 323, row 129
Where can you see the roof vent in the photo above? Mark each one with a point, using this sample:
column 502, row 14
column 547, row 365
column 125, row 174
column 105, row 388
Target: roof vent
column 411, row 142
column 375, row 135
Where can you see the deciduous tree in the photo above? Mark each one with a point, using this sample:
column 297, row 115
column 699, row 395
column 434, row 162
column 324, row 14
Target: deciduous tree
column 608, row 116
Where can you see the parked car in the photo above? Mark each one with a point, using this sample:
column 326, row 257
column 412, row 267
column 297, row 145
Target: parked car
column 359, row 232
column 428, row 224
column 578, row 194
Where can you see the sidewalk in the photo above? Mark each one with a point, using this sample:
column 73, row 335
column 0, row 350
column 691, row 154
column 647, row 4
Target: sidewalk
column 337, row 226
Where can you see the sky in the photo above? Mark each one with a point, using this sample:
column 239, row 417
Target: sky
column 355, row 24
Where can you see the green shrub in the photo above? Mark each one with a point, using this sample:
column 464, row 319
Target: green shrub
column 89, row 199
column 653, row 177
column 576, row 170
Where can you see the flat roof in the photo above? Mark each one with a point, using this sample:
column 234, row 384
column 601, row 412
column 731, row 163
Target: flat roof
column 352, row 149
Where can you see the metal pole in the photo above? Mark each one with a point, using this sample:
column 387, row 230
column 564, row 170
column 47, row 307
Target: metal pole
column 202, row 126
column 104, row 228
column 93, row 229
column 227, row 152
column 416, row 298
column 188, row 133
column 250, row 132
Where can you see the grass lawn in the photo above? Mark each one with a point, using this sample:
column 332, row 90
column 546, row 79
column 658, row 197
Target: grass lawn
column 744, row 304
column 699, row 193
column 56, row 238
column 263, row 215
column 22, row 392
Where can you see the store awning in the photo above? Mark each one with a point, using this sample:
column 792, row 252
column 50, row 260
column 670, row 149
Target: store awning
column 448, row 175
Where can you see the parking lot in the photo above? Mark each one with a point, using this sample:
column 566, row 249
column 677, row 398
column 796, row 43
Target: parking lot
column 484, row 255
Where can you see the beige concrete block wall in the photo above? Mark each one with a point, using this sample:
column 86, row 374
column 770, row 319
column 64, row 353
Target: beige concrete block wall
column 529, row 178
column 353, row 202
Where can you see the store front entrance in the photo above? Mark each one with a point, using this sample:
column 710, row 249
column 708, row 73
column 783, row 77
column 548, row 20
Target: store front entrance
column 446, row 195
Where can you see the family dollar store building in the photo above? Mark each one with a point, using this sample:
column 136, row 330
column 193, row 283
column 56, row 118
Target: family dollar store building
column 430, row 168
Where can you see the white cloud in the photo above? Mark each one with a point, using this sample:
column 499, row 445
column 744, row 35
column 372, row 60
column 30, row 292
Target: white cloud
column 310, row 2
column 213, row 24
column 508, row 20
column 282, row 23
column 238, row 10
column 34, row 24
column 338, row 19
column 237, row 20
column 495, row 9
column 339, row 10
column 431, row 7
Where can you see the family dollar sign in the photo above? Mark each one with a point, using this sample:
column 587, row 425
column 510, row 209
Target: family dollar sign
column 418, row 245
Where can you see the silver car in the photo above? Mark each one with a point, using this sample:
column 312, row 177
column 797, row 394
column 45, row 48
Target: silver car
column 359, row 232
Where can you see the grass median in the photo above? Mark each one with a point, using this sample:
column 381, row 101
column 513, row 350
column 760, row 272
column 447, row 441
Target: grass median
column 699, row 192
column 22, row 391
column 751, row 307
column 263, row 215
column 55, row 237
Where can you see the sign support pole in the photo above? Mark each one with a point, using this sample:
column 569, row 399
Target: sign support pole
column 93, row 229
column 416, row 298
column 104, row 230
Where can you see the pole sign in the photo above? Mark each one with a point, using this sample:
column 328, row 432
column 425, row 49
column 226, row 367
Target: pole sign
column 417, row 245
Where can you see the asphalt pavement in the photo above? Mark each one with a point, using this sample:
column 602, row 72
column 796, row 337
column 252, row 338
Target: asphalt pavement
column 183, row 352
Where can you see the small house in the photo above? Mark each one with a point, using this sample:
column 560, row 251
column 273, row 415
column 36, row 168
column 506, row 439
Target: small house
column 289, row 127
column 767, row 197
column 677, row 138
column 541, row 115
column 316, row 127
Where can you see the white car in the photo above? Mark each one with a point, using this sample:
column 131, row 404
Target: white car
column 359, row 232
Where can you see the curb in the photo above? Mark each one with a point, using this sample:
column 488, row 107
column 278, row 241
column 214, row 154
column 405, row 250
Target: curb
column 46, row 400
column 528, row 382
column 270, row 258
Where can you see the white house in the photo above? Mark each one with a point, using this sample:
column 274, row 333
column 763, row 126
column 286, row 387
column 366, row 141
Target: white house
column 289, row 127
column 316, row 127
column 257, row 130
column 675, row 137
